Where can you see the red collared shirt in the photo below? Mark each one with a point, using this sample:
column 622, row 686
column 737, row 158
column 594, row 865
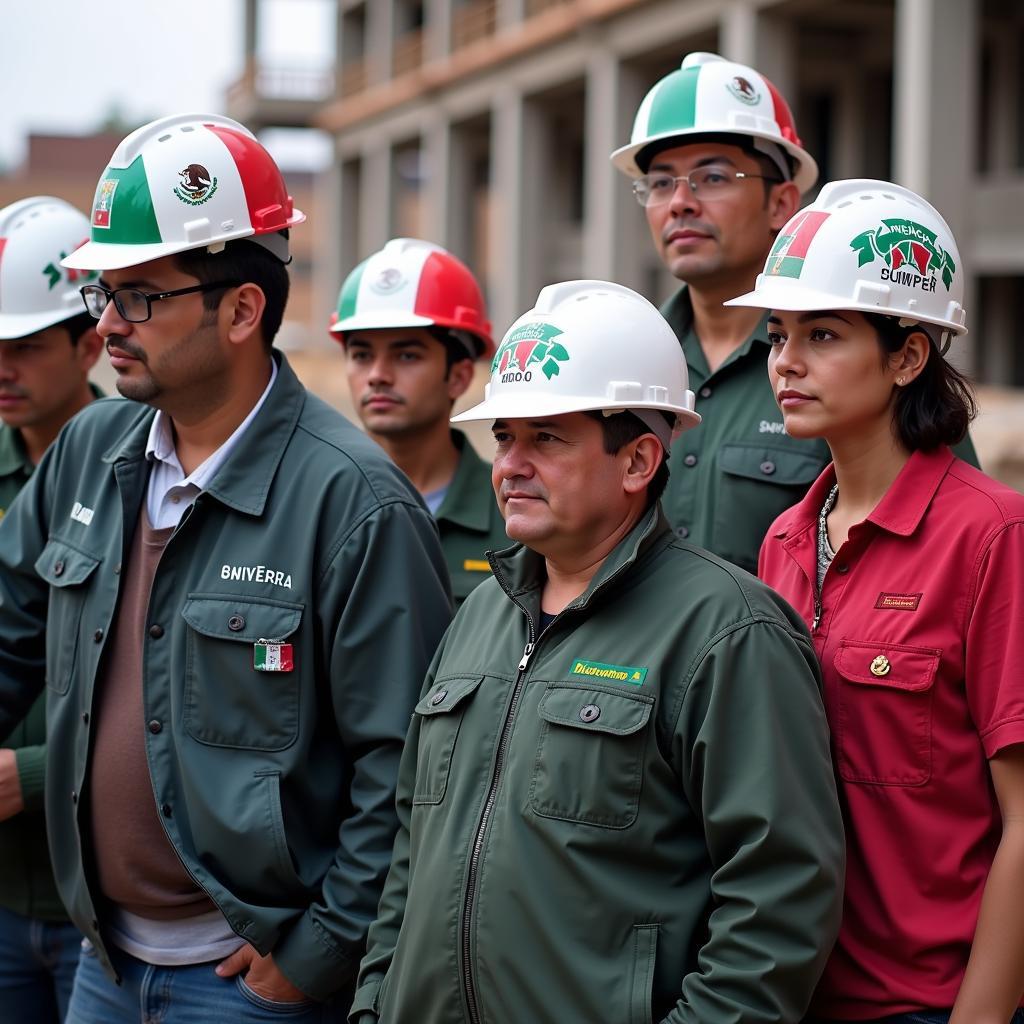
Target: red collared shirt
column 921, row 642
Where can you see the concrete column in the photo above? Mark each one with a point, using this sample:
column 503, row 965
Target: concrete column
column 437, row 22
column 376, row 200
column 380, row 34
column 436, row 156
column 330, row 231
column 509, row 13
column 761, row 40
column 251, row 30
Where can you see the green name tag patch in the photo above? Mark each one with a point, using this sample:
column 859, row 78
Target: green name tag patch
column 629, row 674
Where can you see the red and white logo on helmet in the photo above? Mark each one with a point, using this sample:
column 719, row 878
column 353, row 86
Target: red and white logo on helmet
column 413, row 283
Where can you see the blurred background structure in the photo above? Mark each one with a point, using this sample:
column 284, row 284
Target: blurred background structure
column 485, row 125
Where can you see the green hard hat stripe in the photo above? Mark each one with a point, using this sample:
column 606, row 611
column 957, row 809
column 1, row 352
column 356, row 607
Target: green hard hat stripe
column 132, row 217
column 674, row 104
column 350, row 292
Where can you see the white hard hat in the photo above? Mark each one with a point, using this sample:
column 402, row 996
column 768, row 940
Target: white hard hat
column 709, row 95
column 589, row 345
column 36, row 292
column 870, row 246
column 188, row 181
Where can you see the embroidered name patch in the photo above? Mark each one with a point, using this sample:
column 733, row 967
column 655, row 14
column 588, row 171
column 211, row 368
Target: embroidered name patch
column 616, row 673
column 899, row 602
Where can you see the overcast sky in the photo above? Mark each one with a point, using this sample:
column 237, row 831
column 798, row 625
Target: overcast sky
column 65, row 65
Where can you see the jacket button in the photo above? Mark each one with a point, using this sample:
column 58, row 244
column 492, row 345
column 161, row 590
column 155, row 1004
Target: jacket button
column 705, row 392
column 98, row 635
column 438, row 697
column 842, row 569
column 58, row 568
column 85, row 718
column 683, row 531
column 117, row 569
column 156, row 726
column 589, row 713
column 880, row 666
column 156, row 631
column 767, row 467
column 236, row 622
column 690, row 460
column 74, row 797
column 165, row 809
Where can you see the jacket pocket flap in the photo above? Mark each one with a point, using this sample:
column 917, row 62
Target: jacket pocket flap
column 64, row 566
column 446, row 695
column 770, row 465
column 894, row 666
column 596, row 710
column 245, row 620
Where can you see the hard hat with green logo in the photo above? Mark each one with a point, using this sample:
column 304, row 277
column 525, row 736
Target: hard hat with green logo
column 188, row 181
column 870, row 246
column 412, row 283
column 709, row 95
column 589, row 345
column 36, row 292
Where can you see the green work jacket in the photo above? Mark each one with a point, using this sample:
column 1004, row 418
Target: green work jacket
column 630, row 817
column 735, row 473
column 469, row 521
column 26, row 878
column 276, row 789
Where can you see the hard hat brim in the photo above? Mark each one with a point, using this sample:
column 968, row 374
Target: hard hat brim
column 19, row 325
column 380, row 320
column 507, row 407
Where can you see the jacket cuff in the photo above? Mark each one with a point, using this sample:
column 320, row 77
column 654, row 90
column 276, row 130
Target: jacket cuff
column 31, row 765
column 311, row 961
column 364, row 1006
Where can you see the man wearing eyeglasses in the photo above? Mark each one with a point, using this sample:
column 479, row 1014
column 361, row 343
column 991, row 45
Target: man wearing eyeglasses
column 232, row 596
column 719, row 169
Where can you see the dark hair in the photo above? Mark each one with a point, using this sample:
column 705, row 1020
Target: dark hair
column 77, row 325
column 250, row 263
column 454, row 349
column 936, row 407
column 619, row 430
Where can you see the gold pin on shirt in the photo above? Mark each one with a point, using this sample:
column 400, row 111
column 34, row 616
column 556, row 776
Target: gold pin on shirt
column 880, row 666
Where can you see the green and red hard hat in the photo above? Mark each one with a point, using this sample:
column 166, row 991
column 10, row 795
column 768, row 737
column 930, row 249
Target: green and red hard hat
column 708, row 95
column 187, row 181
column 413, row 283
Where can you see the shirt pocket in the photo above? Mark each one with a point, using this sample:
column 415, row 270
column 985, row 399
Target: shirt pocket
column 884, row 730
column 590, row 755
column 67, row 571
column 756, row 483
column 441, row 712
column 228, row 703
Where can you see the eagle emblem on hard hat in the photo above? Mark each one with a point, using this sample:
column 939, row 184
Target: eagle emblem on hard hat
column 197, row 185
column 744, row 90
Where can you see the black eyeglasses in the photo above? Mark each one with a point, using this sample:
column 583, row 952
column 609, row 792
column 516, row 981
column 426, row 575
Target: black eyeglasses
column 134, row 305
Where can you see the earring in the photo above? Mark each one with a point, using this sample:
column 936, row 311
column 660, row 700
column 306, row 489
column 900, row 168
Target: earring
column 901, row 381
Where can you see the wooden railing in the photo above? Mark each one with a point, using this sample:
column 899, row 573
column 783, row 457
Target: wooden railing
column 407, row 54
column 354, row 77
column 533, row 7
column 472, row 21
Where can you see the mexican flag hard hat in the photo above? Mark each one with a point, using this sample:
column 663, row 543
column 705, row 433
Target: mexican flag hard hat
column 710, row 95
column 187, row 181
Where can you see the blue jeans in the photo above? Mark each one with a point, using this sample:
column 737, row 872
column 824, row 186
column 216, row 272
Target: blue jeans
column 180, row 995
column 37, row 968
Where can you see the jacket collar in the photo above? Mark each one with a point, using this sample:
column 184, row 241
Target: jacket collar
column 468, row 504
column 243, row 482
column 520, row 571
column 902, row 506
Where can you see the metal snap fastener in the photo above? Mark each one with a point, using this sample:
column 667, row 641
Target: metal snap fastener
column 438, row 697
column 166, row 810
column 98, row 635
column 842, row 569
column 683, row 531
column 589, row 713
column 156, row 631
column 767, row 467
column 705, row 392
column 58, row 568
column 235, row 623
column 156, row 726
column 690, row 460
column 880, row 666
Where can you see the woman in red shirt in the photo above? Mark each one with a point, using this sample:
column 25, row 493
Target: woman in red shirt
column 908, row 567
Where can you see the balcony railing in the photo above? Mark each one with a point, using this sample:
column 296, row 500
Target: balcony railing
column 474, row 20
column 407, row 54
column 354, row 77
column 533, row 7
column 281, row 83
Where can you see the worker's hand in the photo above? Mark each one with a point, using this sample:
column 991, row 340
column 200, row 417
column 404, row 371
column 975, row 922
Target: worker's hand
column 11, row 800
column 262, row 975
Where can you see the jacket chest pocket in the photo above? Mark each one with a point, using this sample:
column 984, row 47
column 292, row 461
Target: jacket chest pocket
column 441, row 712
column 67, row 570
column 228, row 702
column 884, row 729
column 590, row 755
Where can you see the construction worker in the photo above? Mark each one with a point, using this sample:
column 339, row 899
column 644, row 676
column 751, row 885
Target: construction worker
column 48, row 345
column 412, row 322
column 719, row 168
column 616, row 800
column 906, row 564
column 229, row 594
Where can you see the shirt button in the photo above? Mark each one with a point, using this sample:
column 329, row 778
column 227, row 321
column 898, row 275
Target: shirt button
column 690, row 460
column 683, row 531
column 165, row 809
column 74, row 797
column 236, row 623
column 156, row 631
column 880, row 666
column 438, row 697
column 767, row 467
column 589, row 713
column 842, row 569
column 98, row 635
column 85, row 718
column 58, row 568
column 705, row 392
column 156, row 726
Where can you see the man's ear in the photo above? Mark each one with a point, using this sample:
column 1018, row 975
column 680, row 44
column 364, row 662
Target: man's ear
column 88, row 349
column 460, row 376
column 645, row 456
column 242, row 310
column 783, row 202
